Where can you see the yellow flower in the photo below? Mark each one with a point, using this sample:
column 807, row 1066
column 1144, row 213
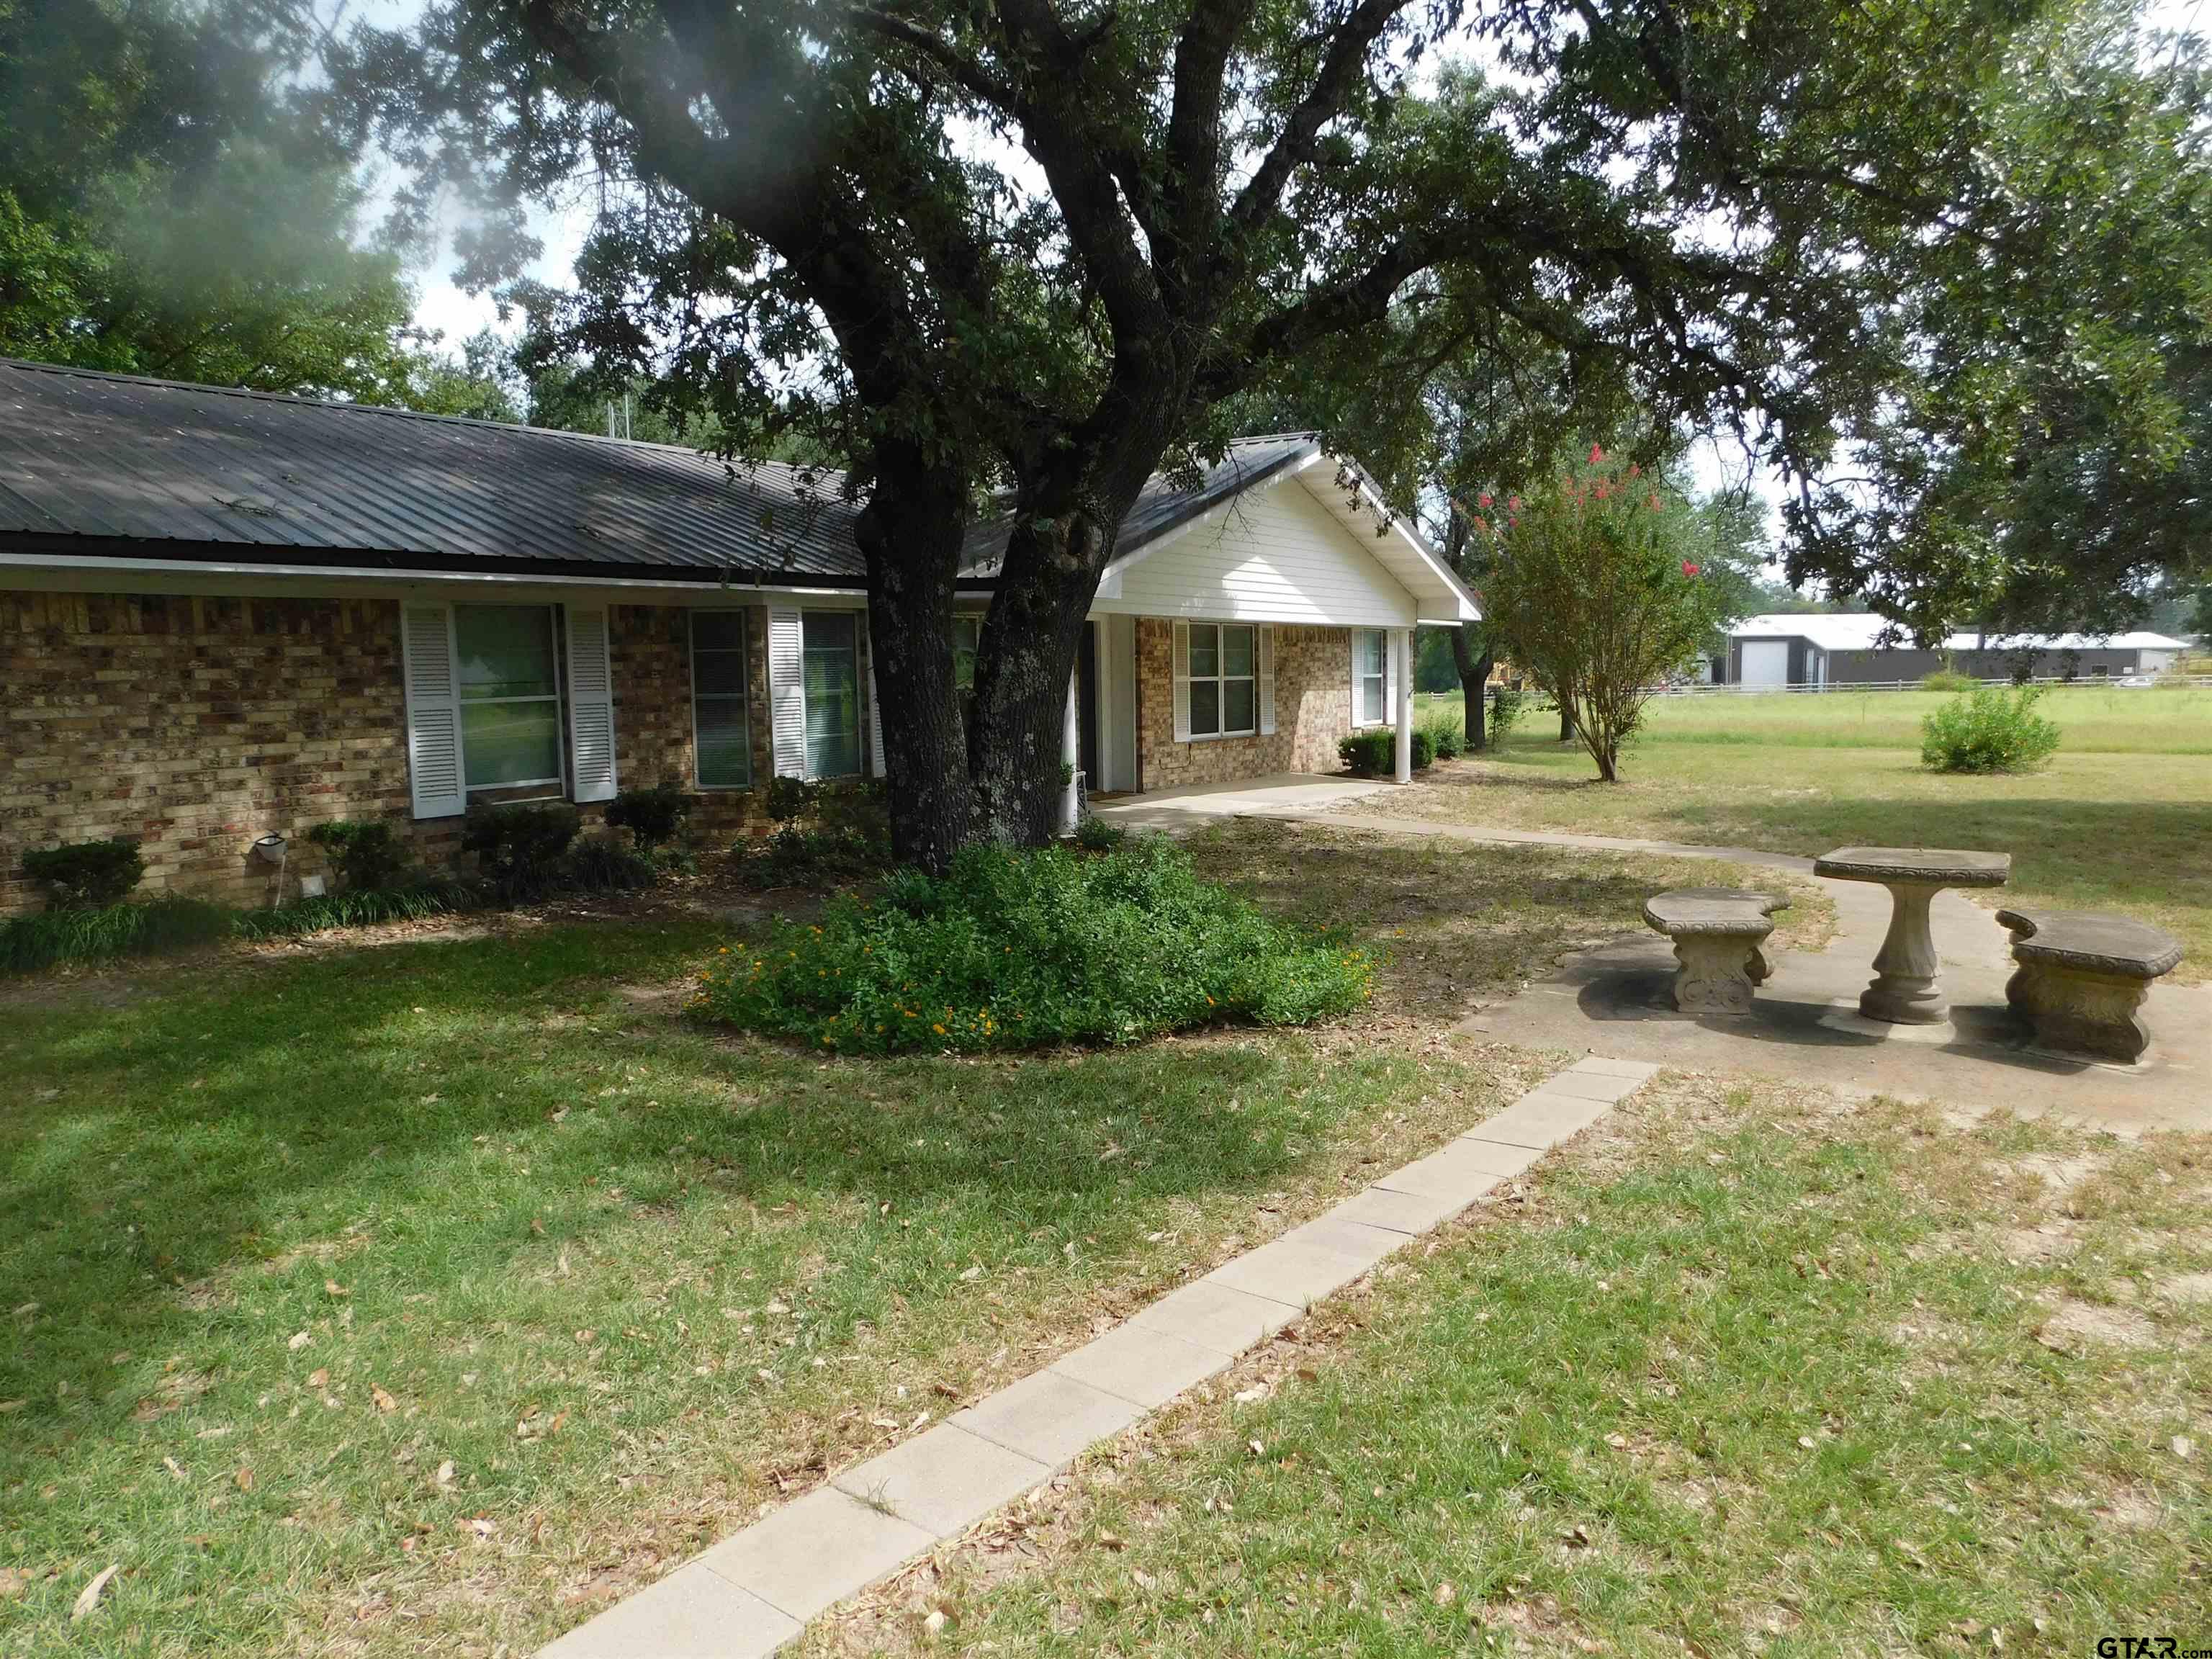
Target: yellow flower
column 939, row 1029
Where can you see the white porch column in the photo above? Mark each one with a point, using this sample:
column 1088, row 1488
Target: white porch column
column 1405, row 639
column 1071, row 746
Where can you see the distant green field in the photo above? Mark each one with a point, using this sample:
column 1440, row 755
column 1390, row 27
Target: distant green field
column 2096, row 720
column 2120, row 820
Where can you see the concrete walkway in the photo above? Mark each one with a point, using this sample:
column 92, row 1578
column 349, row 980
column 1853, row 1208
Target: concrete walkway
column 1805, row 1024
column 754, row 1591
column 1281, row 795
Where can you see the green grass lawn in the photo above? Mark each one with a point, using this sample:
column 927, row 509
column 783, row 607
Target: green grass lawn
column 420, row 1298
column 1738, row 1374
column 2121, row 819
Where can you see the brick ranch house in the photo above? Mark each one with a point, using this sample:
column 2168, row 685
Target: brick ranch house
column 226, row 614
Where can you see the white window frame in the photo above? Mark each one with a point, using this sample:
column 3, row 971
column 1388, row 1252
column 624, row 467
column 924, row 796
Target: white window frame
column 1220, row 680
column 1380, row 676
column 463, row 702
column 744, row 698
column 859, row 710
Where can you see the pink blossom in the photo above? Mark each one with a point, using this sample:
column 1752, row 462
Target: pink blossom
column 1597, row 455
column 1484, row 498
column 1688, row 569
column 1512, row 503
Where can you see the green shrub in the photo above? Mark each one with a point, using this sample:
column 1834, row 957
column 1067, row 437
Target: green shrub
column 367, row 853
column 1445, row 729
column 1098, row 835
column 1369, row 754
column 601, row 864
column 1947, row 680
column 1374, row 753
column 96, row 933
column 519, row 848
column 654, row 817
column 1988, row 730
column 828, row 832
column 1013, row 950
column 87, row 875
column 1508, row 703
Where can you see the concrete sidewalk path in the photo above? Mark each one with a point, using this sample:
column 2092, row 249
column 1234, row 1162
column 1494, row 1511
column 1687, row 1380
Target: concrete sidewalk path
column 754, row 1591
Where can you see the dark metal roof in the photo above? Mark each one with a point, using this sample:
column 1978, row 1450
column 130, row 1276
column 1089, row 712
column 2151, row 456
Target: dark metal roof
column 115, row 465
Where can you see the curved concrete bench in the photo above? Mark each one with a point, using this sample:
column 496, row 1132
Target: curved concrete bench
column 1718, row 933
column 2082, row 977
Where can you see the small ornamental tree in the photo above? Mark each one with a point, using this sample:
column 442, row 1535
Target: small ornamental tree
column 1590, row 589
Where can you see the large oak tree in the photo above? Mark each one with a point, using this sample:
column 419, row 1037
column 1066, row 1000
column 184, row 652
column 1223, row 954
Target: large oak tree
column 1039, row 248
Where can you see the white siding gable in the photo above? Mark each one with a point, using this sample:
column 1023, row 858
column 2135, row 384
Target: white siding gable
column 1273, row 555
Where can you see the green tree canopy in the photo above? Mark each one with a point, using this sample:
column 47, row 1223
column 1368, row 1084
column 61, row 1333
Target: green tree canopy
column 171, row 206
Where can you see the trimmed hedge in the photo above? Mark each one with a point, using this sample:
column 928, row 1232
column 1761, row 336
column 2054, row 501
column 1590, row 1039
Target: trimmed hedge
column 1374, row 753
column 1014, row 950
column 87, row 875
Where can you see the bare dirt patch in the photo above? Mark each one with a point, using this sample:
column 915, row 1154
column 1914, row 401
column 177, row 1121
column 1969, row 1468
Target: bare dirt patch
column 2082, row 1325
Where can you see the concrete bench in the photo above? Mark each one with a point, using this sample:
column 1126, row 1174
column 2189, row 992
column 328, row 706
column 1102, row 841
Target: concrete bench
column 1717, row 933
column 2082, row 977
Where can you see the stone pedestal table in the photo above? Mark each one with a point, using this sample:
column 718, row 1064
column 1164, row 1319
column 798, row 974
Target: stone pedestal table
column 1905, row 989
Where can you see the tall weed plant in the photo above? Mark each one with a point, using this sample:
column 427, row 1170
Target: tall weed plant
column 1989, row 730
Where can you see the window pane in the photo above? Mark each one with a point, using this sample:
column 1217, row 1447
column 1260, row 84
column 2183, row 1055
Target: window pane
column 726, row 753
column 506, row 650
column 718, row 630
column 1371, row 650
column 831, row 673
column 1238, row 700
column 512, row 743
column 1237, row 651
column 1205, row 707
column 1205, row 650
column 1370, row 701
column 719, row 673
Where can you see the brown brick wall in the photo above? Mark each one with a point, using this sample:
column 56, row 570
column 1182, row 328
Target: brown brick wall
column 198, row 724
column 1313, row 711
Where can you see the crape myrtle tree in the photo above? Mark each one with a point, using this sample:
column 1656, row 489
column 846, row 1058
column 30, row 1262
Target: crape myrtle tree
column 1022, row 251
column 1591, row 586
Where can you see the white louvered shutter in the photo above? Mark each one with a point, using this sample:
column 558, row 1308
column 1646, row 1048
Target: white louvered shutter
column 1392, row 668
column 1182, row 671
column 787, row 695
column 1267, row 672
column 434, row 712
column 591, row 705
column 1355, row 634
column 875, row 709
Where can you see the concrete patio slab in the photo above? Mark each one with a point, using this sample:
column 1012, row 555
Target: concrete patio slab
column 1049, row 1417
column 1147, row 1367
column 820, row 1549
column 944, row 1480
column 1216, row 1316
column 693, row 1613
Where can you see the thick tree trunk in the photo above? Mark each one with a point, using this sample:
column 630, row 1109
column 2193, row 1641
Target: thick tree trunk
column 1474, row 666
column 1566, row 718
column 1023, row 670
column 911, row 533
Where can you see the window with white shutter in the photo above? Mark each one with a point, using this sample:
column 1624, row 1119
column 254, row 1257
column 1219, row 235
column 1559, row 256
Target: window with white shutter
column 433, row 715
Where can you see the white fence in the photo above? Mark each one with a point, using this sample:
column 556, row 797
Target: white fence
column 2131, row 682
